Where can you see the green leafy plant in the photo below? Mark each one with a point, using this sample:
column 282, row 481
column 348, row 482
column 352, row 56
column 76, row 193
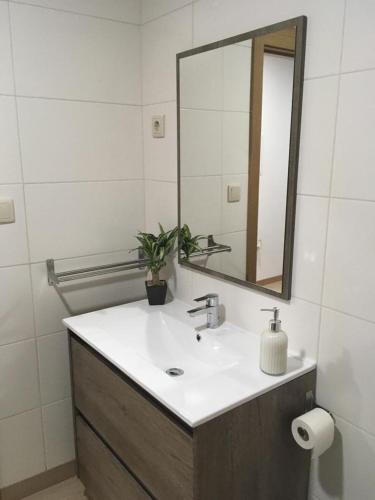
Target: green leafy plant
column 188, row 243
column 156, row 249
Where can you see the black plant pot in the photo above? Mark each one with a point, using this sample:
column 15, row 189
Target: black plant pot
column 156, row 294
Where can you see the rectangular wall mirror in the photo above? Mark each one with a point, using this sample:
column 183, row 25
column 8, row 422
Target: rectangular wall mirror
column 239, row 111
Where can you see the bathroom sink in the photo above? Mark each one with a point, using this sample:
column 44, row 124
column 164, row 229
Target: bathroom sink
column 196, row 372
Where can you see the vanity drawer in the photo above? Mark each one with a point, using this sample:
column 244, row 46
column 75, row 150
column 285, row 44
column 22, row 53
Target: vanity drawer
column 103, row 475
column 155, row 448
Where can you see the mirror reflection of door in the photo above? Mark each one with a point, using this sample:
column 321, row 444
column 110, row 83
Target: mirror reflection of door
column 272, row 71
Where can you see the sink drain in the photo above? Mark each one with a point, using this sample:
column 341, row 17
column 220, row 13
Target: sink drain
column 174, row 372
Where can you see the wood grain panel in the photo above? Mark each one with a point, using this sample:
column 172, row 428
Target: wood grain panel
column 249, row 453
column 154, row 448
column 102, row 474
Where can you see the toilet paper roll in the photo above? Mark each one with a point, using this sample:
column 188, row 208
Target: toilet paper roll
column 314, row 431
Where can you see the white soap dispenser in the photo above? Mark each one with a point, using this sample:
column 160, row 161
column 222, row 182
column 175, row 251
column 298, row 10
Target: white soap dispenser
column 274, row 346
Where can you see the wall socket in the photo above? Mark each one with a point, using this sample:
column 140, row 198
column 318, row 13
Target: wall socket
column 158, row 126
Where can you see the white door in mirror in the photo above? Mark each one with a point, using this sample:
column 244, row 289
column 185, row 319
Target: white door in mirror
column 7, row 215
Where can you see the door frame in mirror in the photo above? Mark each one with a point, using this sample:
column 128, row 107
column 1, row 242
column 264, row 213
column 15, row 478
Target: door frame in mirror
column 300, row 23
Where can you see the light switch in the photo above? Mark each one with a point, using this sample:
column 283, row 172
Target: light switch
column 158, row 126
column 6, row 211
column 234, row 193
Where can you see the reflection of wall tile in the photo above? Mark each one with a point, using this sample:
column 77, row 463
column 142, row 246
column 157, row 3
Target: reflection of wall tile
column 201, row 204
column 236, row 78
column 234, row 214
column 201, row 144
column 235, row 143
column 201, row 83
column 234, row 263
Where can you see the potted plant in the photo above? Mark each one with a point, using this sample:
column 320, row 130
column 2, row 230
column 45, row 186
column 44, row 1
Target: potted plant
column 188, row 243
column 156, row 249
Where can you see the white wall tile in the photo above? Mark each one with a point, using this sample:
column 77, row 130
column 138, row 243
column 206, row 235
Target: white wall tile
column 359, row 35
column 21, row 447
column 52, row 305
column 120, row 10
column 161, row 203
column 217, row 19
column 75, row 141
column 201, row 142
column 16, row 308
column 201, row 204
column 152, row 9
column 350, row 273
column 234, row 214
column 18, row 370
column 235, row 143
column 317, row 135
column 300, row 319
column 345, row 369
column 354, row 173
column 73, row 219
column 346, row 471
column 162, row 40
column 309, row 247
column 6, row 72
column 58, row 433
column 63, row 55
column 53, row 355
column 15, row 250
column 160, row 154
column 201, row 80
column 9, row 147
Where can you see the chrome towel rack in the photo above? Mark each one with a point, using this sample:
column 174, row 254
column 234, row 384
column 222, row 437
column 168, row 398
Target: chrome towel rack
column 212, row 248
column 55, row 278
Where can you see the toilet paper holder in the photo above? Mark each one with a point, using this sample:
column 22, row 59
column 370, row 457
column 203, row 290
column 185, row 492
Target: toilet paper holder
column 310, row 404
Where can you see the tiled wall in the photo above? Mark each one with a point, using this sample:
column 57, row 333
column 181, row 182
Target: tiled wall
column 71, row 157
column 330, row 315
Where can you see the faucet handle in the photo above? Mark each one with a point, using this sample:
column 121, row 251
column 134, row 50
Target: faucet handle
column 207, row 297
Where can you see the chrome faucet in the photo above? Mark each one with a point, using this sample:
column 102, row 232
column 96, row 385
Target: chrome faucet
column 211, row 308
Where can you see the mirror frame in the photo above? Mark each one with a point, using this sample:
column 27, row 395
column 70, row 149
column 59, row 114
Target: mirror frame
column 300, row 23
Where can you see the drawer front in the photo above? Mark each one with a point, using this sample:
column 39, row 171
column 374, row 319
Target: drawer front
column 102, row 474
column 155, row 449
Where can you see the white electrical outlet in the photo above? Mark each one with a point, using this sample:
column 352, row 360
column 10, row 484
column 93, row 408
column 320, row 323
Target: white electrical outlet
column 234, row 194
column 158, row 125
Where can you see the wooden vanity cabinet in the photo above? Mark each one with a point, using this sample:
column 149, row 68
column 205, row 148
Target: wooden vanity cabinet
column 130, row 447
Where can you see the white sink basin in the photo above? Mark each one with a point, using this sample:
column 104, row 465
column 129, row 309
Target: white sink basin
column 219, row 372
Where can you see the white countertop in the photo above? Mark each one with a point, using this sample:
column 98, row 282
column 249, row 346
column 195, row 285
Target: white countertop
column 221, row 371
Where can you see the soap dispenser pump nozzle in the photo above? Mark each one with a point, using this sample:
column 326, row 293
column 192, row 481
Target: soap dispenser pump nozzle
column 275, row 323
